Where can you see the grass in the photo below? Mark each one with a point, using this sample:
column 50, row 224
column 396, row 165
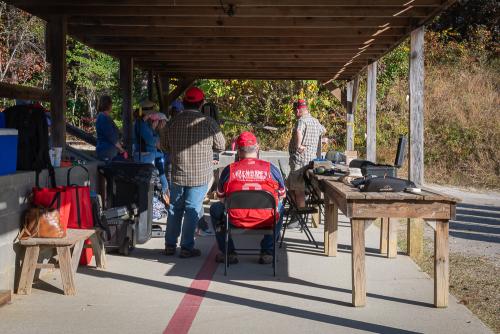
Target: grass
column 474, row 280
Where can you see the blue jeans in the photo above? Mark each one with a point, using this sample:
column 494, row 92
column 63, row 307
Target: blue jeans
column 218, row 216
column 152, row 158
column 185, row 202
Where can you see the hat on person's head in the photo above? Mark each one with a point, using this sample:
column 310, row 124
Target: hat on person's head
column 157, row 116
column 246, row 139
column 177, row 104
column 147, row 107
column 194, row 95
column 301, row 103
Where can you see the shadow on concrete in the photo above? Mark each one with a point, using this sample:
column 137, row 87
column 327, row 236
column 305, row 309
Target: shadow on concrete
column 260, row 305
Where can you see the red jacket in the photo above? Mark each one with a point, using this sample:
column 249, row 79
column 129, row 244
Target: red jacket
column 251, row 174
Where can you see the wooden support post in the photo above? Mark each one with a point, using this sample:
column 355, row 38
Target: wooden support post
column 150, row 85
column 416, row 165
column 165, row 84
column 159, row 93
column 358, row 262
column 126, row 74
column 351, row 102
column 331, row 229
column 416, row 149
column 57, row 28
column 441, row 264
column 371, row 113
column 384, row 235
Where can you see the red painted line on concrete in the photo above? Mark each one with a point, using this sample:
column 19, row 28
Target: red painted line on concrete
column 183, row 318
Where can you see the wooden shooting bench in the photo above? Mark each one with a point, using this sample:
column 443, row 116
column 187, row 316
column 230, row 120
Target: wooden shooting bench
column 67, row 261
column 363, row 208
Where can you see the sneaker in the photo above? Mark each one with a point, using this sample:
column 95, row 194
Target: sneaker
column 233, row 258
column 265, row 258
column 205, row 233
column 170, row 250
column 187, row 253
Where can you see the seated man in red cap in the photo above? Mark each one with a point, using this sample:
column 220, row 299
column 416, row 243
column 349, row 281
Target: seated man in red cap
column 191, row 139
column 249, row 172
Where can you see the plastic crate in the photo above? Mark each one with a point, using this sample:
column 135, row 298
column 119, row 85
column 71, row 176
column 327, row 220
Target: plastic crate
column 8, row 151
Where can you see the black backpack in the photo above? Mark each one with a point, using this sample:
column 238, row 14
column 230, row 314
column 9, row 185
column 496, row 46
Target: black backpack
column 33, row 136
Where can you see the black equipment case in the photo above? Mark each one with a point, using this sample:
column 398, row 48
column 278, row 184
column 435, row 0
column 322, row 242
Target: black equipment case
column 369, row 168
column 129, row 191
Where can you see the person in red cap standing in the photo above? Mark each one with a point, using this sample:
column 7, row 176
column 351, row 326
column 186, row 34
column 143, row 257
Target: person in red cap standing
column 304, row 146
column 191, row 140
column 249, row 172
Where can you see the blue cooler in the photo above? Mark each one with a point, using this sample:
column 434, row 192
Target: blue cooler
column 8, row 151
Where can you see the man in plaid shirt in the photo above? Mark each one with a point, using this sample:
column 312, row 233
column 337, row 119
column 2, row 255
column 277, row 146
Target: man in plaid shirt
column 191, row 139
column 304, row 146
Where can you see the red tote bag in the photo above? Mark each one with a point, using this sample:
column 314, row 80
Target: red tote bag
column 45, row 197
column 80, row 215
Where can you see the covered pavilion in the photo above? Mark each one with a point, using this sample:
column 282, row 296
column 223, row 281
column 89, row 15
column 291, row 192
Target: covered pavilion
column 180, row 41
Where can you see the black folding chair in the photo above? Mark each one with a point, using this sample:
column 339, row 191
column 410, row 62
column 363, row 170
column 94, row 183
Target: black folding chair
column 250, row 199
column 314, row 198
column 301, row 214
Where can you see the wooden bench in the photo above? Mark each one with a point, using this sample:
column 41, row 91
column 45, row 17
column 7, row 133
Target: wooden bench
column 67, row 261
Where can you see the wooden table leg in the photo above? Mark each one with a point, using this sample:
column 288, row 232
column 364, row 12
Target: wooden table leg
column 67, row 276
column 384, row 234
column 392, row 239
column 331, row 229
column 99, row 250
column 358, row 262
column 441, row 264
column 316, row 218
column 28, row 270
column 77, row 253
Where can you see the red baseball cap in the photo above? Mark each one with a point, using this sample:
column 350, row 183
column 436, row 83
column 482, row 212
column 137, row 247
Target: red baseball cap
column 300, row 104
column 194, row 95
column 246, row 139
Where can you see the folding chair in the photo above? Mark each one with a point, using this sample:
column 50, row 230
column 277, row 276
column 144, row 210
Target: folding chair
column 302, row 214
column 314, row 199
column 250, row 199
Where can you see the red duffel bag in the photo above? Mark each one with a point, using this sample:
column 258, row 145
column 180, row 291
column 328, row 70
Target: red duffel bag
column 44, row 197
column 80, row 216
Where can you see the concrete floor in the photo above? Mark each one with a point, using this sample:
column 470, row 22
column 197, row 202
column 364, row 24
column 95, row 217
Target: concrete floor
column 311, row 294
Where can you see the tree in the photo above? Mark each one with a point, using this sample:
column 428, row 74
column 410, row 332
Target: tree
column 22, row 50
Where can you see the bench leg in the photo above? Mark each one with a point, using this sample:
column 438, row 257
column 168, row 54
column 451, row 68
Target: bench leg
column 99, row 250
column 28, row 270
column 67, row 276
column 75, row 257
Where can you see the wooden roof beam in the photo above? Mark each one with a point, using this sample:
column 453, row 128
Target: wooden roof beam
column 242, row 22
column 246, row 42
column 128, row 31
column 238, row 3
column 81, row 9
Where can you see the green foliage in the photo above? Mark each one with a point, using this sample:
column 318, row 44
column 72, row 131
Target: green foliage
column 268, row 103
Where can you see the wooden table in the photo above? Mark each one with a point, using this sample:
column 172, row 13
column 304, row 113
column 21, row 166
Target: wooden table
column 363, row 208
column 67, row 261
